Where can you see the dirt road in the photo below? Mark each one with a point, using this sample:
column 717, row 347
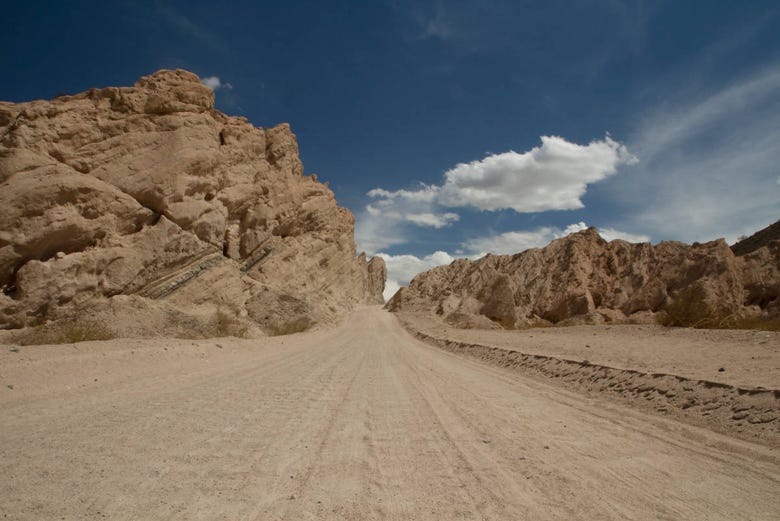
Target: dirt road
column 357, row 422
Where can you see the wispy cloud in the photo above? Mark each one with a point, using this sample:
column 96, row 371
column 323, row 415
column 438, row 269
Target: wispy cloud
column 438, row 26
column 681, row 124
column 214, row 83
column 433, row 220
column 709, row 164
column 517, row 241
column 186, row 25
column 523, row 30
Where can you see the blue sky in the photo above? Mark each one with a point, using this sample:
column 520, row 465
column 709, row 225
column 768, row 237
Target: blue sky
column 455, row 128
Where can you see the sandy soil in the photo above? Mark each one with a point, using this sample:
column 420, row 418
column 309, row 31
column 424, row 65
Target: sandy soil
column 359, row 422
column 674, row 372
column 749, row 358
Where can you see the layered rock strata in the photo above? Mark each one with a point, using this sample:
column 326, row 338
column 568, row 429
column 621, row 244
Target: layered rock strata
column 146, row 207
column 583, row 278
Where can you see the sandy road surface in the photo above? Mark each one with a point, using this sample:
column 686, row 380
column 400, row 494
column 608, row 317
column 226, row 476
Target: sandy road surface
column 357, row 422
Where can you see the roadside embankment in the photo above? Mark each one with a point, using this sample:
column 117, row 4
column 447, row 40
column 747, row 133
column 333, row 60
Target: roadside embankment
column 740, row 409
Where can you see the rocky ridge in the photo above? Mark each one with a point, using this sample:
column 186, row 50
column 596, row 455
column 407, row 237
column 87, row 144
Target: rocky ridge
column 584, row 279
column 761, row 238
column 146, row 209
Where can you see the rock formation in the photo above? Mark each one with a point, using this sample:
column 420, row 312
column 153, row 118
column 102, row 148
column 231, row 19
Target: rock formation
column 146, row 207
column 761, row 238
column 583, row 278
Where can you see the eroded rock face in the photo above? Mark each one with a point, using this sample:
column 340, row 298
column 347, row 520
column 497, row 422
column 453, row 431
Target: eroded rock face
column 583, row 278
column 149, row 192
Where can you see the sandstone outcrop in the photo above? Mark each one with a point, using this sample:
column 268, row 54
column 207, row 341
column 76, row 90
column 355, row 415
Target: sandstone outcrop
column 145, row 207
column 584, row 279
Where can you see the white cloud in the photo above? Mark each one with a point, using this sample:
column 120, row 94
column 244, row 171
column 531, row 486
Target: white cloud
column 511, row 242
column 516, row 241
column 611, row 234
column 401, row 269
column 381, row 226
column 432, row 220
column 427, row 194
column 214, row 83
column 375, row 232
column 392, row 217
column 553, row 176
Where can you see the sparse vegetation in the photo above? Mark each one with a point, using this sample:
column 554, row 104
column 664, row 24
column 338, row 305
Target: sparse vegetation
column 66, row 332
column 297, row 325
column 765, row 324
column 689, row 311
column 229, row 324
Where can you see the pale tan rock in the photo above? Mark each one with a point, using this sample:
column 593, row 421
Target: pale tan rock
column 147, row 193
column 376, row 275
column 583, row 279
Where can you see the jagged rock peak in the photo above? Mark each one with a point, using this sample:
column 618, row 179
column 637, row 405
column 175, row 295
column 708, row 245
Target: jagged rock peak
column 583, row 278
column 147, row 202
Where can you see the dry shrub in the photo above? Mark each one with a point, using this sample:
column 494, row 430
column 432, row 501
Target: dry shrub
column 289, row 327
column 66, row 332
column 689, row 311
column 229, row 324
column 766, row 324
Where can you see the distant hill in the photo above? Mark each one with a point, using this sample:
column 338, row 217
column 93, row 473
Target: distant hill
column 757, row 240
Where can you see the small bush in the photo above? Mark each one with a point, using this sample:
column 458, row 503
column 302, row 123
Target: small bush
column 690, row 308
column 688, row 311
column 68, row 332
column 765, row 324
column 230, row 325
column 297, row 325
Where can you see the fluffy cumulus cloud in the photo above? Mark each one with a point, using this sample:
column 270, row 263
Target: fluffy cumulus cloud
column 553, row 176
column 214, row 83
column 401, row 269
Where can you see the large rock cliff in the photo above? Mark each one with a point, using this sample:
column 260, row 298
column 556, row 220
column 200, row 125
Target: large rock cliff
column 146, row 207
column 583, row 278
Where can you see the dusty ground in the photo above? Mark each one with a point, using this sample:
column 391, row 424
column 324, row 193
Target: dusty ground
column 728, row 381
column 748, row 358
column 359, row 422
